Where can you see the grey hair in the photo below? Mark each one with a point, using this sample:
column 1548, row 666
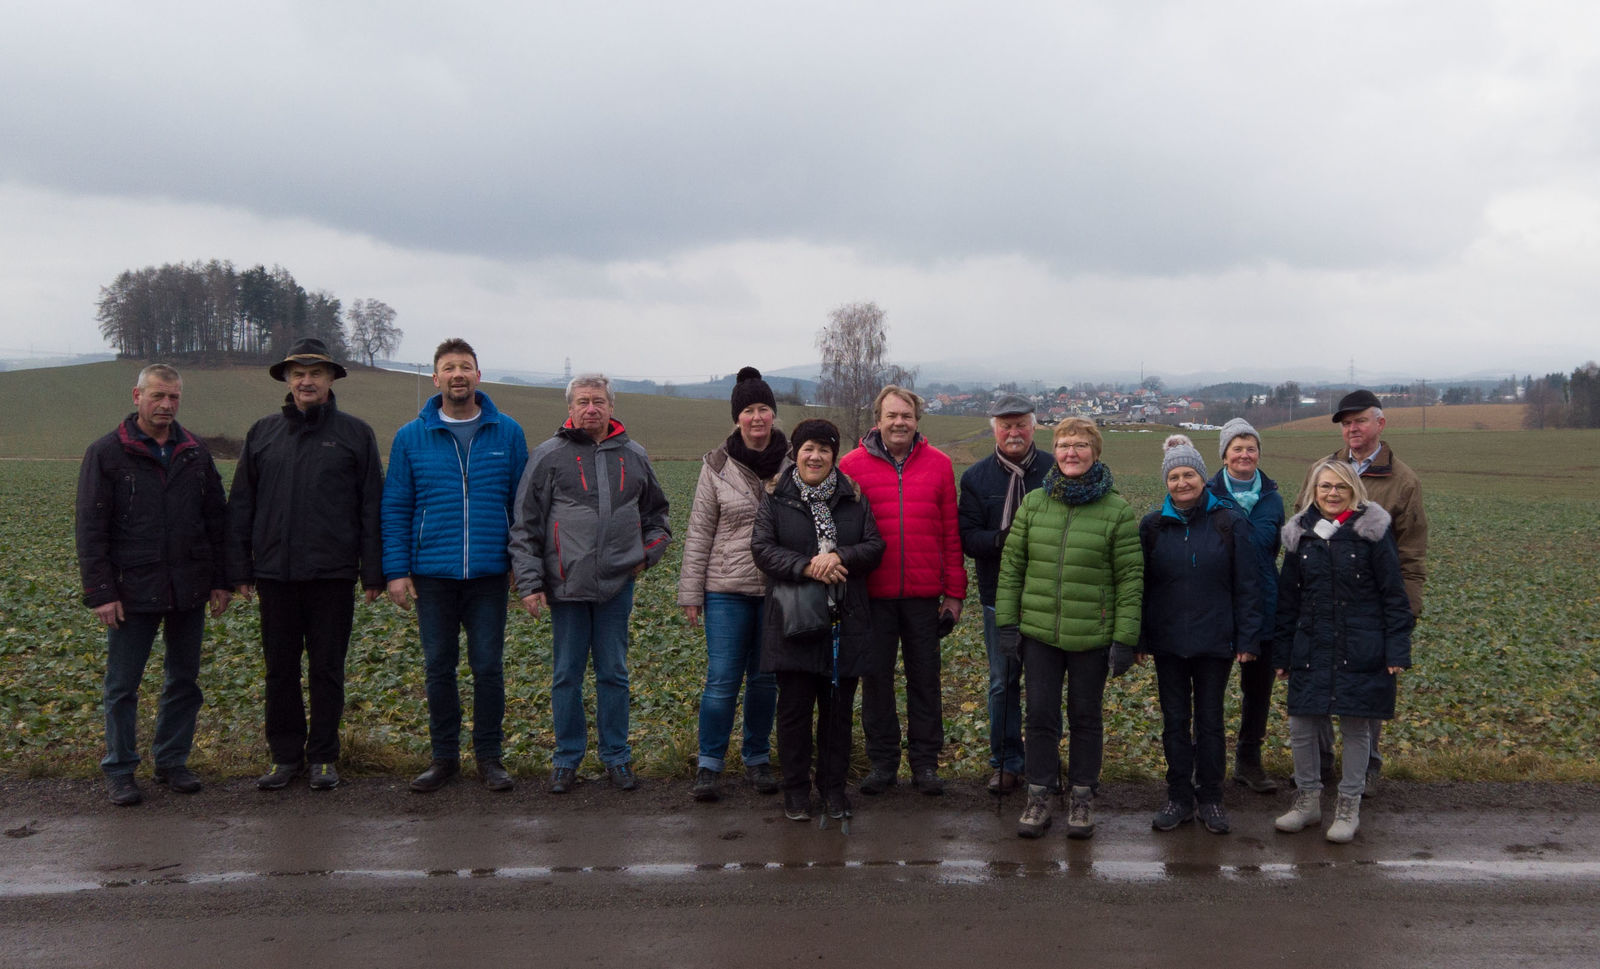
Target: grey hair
column 159, row 371
column 1033, row 420
column 591, row 380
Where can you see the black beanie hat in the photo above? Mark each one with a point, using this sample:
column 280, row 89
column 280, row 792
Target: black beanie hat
column 814, row 429
column 749, row 388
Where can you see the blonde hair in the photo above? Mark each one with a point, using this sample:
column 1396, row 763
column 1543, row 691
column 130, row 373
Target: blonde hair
column 1079, row 427
column 1344, row 472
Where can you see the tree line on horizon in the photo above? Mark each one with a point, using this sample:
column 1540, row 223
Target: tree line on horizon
column 211, row 311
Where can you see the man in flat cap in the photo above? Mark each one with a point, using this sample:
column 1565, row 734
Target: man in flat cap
column 303, row 526
column 991, row 490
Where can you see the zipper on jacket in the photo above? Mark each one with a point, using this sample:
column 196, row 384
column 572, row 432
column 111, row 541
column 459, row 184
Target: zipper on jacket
column 622, row 478
column 466, row 503
column 582, row 479
column 900, row 483
column 1061, row 566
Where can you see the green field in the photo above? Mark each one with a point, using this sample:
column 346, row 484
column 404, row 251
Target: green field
column 1507, row 657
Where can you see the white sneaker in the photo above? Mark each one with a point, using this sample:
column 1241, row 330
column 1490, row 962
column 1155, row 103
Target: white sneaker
column 1346, row 819
column 1307, row 810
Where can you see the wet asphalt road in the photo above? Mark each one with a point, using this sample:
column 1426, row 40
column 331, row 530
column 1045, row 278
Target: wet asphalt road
column 1478, row 875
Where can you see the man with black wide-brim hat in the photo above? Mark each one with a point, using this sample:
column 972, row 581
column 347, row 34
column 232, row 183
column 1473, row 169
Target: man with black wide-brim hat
column 303, row 525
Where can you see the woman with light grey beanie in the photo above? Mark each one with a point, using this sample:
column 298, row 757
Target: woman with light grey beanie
column 1201, row 611
column 1240, row 480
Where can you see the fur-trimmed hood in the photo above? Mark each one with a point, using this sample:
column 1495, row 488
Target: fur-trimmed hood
column 1371, row 522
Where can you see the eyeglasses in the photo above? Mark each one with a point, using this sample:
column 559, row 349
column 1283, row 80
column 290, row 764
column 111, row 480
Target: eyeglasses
column 1076, row 447
column 1330, row 486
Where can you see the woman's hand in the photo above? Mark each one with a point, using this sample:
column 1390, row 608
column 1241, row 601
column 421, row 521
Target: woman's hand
column 827, row 567
column 692, row 613
column 1395, row 670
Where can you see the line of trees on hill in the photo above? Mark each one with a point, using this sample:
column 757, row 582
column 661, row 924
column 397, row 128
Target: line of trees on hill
column 211, row 311
column 1563, row 400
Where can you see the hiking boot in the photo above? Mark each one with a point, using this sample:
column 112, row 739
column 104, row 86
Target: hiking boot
column 1171, row 815
column 705, row 785
column 179, row 778
column 439, row 773
column 1080, row 813
column 494, row 775
column 760, row 777
column 1214, row 817
column 324, row 777
column 838, row 804
column 1035, row 820
column 123, row 790
column 622, row 777
column 1371, row 788
column 878, row 780
column 563, row 780
column 1251, row 774
column 1346, row 819
column 927, row 781
column 1307, row 810
column 797, row 805
column 279, row 776
column 1004, row 782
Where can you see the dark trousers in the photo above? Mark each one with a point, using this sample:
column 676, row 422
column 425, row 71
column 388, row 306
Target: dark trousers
column 799, row 694
column 1192, row 733
column 909, row 628
column 1045, row 667
column 446, row 607
column 1255, row 702
column 311, row 618
column 127, row 652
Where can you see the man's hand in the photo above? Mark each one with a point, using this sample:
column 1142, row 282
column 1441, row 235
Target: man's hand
column 533, row 602
column 402, row 591
column 245, row 591
column 373, row 594
column 951, row 608
column 219, row 602
column 110, row 614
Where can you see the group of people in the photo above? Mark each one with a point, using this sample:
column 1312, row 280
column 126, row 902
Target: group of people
column 814, row 572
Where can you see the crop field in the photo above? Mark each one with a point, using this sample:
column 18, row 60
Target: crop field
column 1505, row 686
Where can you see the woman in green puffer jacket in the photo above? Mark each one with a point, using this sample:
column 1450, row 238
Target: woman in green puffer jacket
column 1067, row 604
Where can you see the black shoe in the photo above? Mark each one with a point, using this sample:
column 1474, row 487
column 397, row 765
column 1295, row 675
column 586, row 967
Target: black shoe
column 622, row 777
column 797, row 805
column 324, row 777
column 439, row 773
column 838, row 804
column 705, row 785
column 1214, row 818
column 1252, row 775
column 179, row 778
column 563, row 780
column 279, row 776
column 123, row 790
column 761, row 778
column 927, row 781
column 1171, row 815
column 494, row 775
column 878, row 780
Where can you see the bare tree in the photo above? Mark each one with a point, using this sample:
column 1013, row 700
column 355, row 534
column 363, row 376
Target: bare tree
column 853, row 345
column 372, row 329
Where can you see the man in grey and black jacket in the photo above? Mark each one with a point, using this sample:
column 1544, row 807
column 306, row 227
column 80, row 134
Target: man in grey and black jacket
column 590, row 516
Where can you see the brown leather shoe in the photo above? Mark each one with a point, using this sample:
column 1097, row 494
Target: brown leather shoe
column 1004, row 782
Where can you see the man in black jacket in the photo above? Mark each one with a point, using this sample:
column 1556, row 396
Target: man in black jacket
column 991, row 490
column 150, row 544
column 303, row 525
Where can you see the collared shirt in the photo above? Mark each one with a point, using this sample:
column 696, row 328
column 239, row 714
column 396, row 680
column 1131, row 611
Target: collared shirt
column 1362, row 464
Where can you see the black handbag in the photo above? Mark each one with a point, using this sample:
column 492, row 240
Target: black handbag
column 802, row 606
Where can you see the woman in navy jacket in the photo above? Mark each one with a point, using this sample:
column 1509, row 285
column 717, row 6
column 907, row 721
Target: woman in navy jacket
column 1201, row 610
column 1343, row 634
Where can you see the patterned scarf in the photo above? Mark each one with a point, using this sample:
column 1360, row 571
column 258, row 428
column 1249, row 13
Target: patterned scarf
column 1015, row 488
column 821, row 514
column 1092, row 485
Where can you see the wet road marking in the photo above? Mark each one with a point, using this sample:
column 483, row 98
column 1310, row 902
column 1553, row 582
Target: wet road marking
column 948, row 871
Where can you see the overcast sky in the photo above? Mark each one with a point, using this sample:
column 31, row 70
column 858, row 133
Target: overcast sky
column 676, row 190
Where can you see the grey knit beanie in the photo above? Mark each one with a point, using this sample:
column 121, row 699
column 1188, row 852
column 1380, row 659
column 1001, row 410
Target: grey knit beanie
column 1180, row 452
column 1233, row 429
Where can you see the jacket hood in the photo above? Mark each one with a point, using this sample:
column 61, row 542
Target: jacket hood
column 873, row 442
column 1370, row 523
column 1213, row 502
column 573, row 433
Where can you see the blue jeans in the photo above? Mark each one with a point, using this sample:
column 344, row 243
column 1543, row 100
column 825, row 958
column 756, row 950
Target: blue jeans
column 581, row 629
column 127, row 652
column 444, row 608
column 733, row 656
column 1005, row 703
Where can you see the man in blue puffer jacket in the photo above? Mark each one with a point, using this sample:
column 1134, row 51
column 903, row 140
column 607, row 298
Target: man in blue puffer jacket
column 447, row 507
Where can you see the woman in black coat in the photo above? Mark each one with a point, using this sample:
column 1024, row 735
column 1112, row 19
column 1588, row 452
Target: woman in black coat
column 1201, row 610
column 1343, row 634
column 815, row 538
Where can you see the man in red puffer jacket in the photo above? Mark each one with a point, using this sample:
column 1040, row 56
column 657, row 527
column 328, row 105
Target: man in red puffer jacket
column 910, row 486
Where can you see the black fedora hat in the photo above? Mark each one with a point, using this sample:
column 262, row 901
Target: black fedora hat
column 1354, row 401
column 308, row 350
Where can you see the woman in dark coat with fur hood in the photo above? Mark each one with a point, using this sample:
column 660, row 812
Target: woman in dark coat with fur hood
column 1343, row 634
column 816, row 529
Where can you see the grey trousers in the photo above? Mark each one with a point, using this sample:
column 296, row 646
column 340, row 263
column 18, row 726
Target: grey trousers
column 1303, row 742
